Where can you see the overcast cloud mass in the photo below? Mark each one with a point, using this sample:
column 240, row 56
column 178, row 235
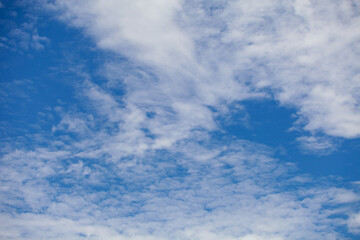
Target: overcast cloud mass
column 180, row 119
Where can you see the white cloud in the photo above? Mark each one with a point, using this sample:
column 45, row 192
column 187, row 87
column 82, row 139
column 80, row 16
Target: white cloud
column 354, row 223
column 220, row 52
column 231, row 191
column 144, row 165
column 24, row 38
column 319, row 145
column 20, row 32
column 74, row 124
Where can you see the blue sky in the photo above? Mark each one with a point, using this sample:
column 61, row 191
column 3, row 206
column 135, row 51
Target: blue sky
column 156, row 119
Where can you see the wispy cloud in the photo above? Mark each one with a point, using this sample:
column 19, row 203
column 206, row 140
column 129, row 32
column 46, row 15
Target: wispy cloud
column 316, row 144
column 24, row 38
column 302, row 51
column 354, row 223
column 20, row 29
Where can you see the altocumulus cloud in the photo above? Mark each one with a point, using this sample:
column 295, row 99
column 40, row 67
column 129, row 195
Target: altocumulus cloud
column 228, row 191
column 153, row 162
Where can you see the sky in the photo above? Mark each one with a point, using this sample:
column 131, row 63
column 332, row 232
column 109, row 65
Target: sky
column 179, row 119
